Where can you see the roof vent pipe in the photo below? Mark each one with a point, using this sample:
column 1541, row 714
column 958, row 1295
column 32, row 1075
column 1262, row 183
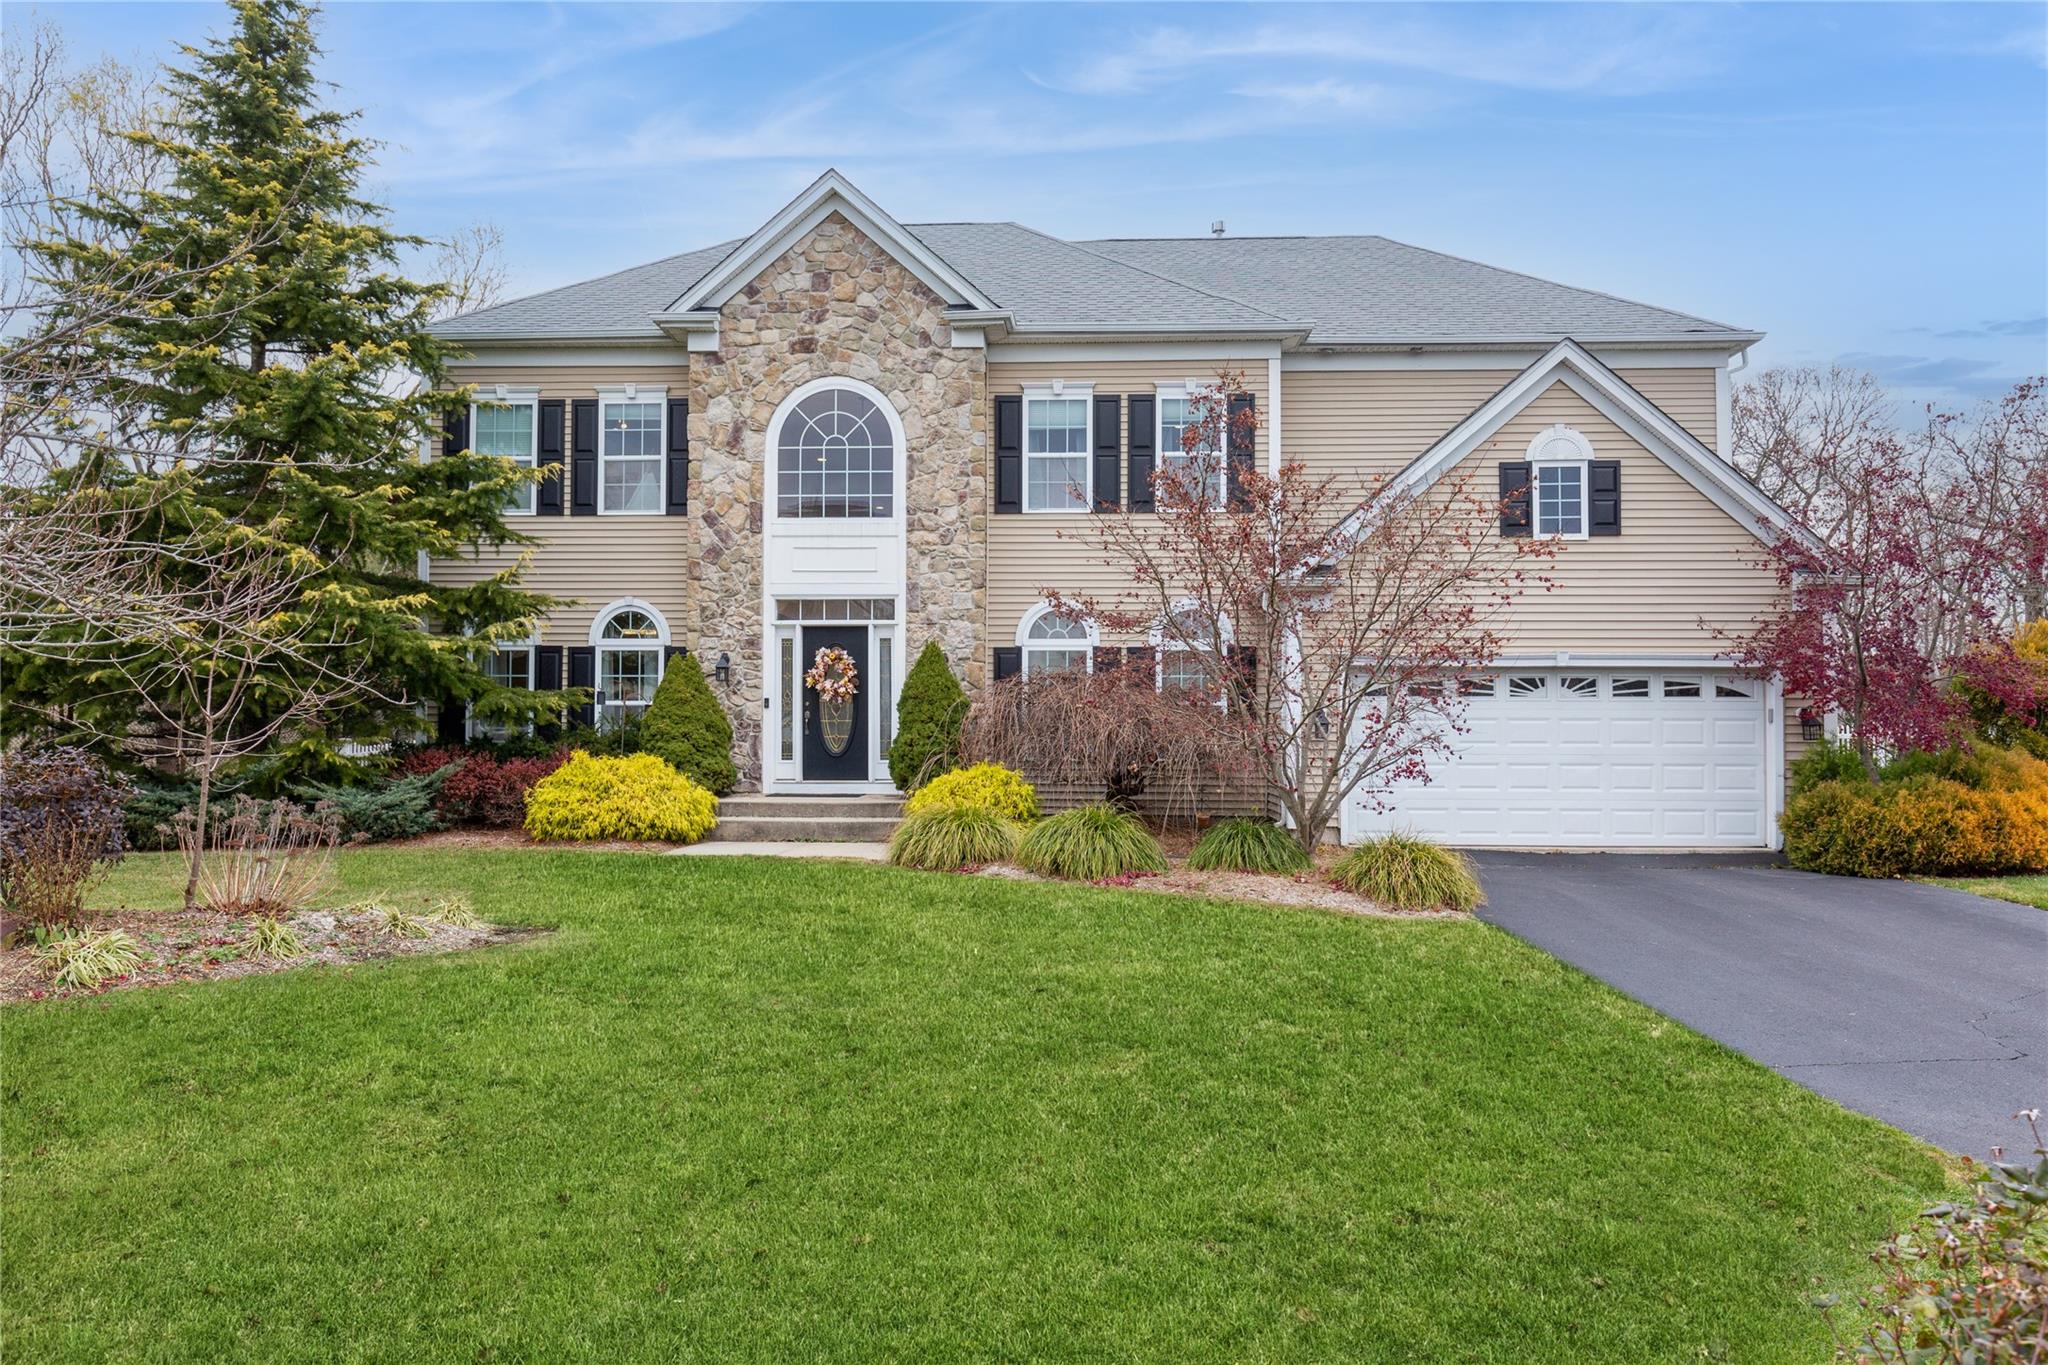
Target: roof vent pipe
column 1216, row 228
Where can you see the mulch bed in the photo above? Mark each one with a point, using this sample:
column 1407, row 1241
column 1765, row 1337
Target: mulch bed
column 1312, row 889
column 179, row 946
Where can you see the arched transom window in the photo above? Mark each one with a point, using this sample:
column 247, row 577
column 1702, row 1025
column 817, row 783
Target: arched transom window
column 1053, row 644
column 836, row 457
column 628, row 663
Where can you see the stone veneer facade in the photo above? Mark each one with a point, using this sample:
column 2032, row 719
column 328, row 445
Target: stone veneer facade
column 838, row 304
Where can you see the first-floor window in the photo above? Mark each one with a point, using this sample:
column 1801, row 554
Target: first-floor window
column 630, row 456
column 628, row 664
column 1056, row 453
column 508, row 667
column 1190, row 653
column 1053, row 644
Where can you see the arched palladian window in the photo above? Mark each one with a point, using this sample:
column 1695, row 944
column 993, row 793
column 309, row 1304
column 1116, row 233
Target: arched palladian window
column 629, row 642
column 1054, row 644
column 835, row 457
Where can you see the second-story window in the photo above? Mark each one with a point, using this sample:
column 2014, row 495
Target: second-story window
column 506, row 427
column 1204, row 462
column 835, row 457
column 1056, row 474
column 629, row 454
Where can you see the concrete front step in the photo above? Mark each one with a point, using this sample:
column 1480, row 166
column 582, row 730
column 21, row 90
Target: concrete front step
column 803, row 829
column 810, row 807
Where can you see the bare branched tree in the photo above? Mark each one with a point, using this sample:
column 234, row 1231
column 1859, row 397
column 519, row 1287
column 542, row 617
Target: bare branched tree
column 472, row 264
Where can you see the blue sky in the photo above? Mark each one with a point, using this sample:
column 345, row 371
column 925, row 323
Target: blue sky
column 1866, row 183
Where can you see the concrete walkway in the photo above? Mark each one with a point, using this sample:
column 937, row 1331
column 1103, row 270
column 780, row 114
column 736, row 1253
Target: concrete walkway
column 763, row 848
column 1919, row 1005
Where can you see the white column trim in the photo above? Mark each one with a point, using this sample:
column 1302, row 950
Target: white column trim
column 1273, row 416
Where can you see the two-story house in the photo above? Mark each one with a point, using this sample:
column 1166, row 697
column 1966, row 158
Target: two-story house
column 850, row 431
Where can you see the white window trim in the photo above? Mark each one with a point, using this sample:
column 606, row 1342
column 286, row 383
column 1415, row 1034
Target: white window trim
column 599, row 644
column 1160, row 644
column 635, row 393
column 1025, row 644
column 510, row 396
column 528, row 646
column 1040, row 393
column 1581, row 458
column 1186, row 390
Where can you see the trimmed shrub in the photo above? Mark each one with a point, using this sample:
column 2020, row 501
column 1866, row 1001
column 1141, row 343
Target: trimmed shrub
column 1248, row 846
column 1089, row 843
column 1403, row 872
column 1921, row 826
column 481, row 787
column 636, row 797
column 400, row 808
column 927, row 721
column 61, row 829
column 948, row 838
column 686, row 726
column 985, row 786
column 1829, row 761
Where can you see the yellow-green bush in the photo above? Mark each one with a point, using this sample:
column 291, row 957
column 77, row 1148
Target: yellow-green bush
column 985, row 786
column 636, row 797
column 1925, row 825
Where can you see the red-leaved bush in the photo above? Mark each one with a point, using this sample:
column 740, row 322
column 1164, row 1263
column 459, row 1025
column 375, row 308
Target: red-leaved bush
column 482, row 790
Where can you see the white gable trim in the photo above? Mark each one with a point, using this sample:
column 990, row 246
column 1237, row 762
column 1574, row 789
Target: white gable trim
column 829, row 193
column 1610, row 395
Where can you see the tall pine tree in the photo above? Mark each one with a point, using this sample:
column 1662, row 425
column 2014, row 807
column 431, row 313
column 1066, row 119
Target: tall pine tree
column 285, row 353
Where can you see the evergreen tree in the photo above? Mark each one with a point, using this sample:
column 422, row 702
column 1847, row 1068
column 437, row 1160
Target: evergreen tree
column 686, row 725
column 927, row 721
column 286, row 373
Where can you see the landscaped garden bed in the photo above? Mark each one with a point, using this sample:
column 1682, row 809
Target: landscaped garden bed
column 178, row 946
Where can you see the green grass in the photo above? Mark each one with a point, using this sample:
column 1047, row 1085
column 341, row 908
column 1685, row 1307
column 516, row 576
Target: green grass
column 755, row 1109
column 2027, row 890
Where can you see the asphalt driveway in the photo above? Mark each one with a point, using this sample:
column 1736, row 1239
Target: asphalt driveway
column 1922, row 1006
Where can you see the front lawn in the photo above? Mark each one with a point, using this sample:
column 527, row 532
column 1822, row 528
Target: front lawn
column 2027, row 890
column 749, row 1109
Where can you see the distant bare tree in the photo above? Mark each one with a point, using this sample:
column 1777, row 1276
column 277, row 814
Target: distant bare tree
column 472, row 264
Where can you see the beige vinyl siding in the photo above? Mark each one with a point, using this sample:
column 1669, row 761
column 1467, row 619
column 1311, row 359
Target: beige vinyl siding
column 1368, row 424
column 1679, row 558
column 1031, row 551
column 592, row 560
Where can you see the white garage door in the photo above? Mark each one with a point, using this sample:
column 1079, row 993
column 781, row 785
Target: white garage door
column 1582, row 759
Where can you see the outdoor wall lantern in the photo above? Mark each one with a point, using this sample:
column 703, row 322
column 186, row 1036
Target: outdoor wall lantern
column 722, row 670
column 1809, row 723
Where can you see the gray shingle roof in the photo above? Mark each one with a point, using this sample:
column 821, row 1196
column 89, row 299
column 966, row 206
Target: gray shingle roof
column 1364, row 289
column 1352, row 290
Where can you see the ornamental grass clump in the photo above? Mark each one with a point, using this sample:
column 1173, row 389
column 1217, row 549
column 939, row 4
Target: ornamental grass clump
column 1403, row 872
column 87, row 959
column 984, row 786
column 1248, row 846
column 952, row 837
column 1089, row 843
column 635, row 797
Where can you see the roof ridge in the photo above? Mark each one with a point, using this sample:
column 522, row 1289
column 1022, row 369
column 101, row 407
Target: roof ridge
column 1559, row 284
column 578, row 284
column 1170, row 279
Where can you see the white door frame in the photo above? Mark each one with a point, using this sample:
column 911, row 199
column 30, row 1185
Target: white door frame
column 780, row 775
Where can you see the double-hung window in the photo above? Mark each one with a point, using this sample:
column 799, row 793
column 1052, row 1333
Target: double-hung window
column 1558, row 460
column 631, row 448
column 505, row 425
column 508, row 666
column 1056, row 450
column 1193, row 463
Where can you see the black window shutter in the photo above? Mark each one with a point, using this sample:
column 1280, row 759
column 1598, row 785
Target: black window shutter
column 1144, row 434
column 670, row 653
column 1244, row 667
column 1109, row 451
column 583, row 457
column 1108, row 658
column 1514, row 498
column 678, row 456
column 1009, row 661
column 451, row 720
column 1009, row 452
column 1141, row 659
column 455, row 430
column 547, row 668
column 548, row 500
column 1243, row 440
column 1604, row 479
column 583, row 673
